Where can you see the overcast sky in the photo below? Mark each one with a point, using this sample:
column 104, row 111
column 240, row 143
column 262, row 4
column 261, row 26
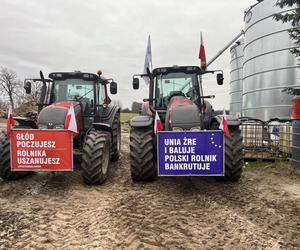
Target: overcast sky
column 55, row 35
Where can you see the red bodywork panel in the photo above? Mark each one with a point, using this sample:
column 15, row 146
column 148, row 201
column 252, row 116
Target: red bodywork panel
column 66, row 105
column 177, row 101
column 295, row 108
column 63, row 104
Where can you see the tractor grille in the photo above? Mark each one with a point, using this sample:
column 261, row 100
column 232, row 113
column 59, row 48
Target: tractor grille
column 186, row 117
column 51, row 117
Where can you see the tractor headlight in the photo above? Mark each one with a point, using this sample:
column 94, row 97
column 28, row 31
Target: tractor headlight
column 59, row 127
column 42, row 126
column 195, row 129
column 177, row 129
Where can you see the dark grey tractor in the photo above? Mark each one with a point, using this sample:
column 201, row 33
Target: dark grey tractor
column 176, row 94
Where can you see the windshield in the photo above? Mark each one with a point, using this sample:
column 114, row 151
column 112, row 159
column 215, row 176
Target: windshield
column 176, row 84
column 73, row 89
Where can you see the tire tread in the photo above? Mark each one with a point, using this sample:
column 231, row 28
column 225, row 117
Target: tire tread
column 142, row 162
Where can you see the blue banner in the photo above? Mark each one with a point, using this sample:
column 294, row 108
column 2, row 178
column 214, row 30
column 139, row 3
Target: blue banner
column 190, row 153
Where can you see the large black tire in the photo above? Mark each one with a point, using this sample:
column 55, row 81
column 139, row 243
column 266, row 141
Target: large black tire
column 5, row 167
column 95, row 157
column 234, row 161
column 142, row 162
column 116, row 140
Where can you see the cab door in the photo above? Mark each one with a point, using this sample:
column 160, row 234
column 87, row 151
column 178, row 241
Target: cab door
column 101, row 102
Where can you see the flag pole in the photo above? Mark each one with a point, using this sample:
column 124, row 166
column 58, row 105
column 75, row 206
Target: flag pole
column 151, row 54
column 199, row 50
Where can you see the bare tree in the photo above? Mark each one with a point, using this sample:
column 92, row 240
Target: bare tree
column 34, row 96
column 10, row 84
column 3, row 108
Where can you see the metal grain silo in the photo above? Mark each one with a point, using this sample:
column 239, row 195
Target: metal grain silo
column 268, row 66
column 236, row 77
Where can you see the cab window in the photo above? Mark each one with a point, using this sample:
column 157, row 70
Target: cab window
column 75, row 89
column 175, row 84
column 101, row 93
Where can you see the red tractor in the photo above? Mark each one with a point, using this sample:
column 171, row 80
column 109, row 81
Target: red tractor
column 99, row 129
column 176, row 94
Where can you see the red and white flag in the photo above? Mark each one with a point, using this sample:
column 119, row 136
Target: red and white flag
column 157, row 124
column 202, row 56
column 70, row 123
column 224, row 124
column 10, row 122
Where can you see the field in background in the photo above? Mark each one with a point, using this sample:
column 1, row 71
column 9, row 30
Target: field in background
column 125, row 118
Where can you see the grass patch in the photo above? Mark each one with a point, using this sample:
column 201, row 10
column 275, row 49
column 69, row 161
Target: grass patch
column 125, row 118
column 258, row 164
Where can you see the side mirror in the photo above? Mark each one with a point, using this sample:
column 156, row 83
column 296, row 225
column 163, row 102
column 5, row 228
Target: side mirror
column 27, row 87
column 220, row 79
column 136, row 83
column 113, row 88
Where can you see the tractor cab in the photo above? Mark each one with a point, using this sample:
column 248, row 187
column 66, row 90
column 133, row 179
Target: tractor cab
column 176, row 93
column 85, row 91
column 77, row 87
column 176, row 81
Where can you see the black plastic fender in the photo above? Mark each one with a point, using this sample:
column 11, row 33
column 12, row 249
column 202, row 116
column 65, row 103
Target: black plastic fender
column 26, row 122
column 102, row 126
column 141, row 121
column 231, row 120
column 106, row 119
column 108, row 114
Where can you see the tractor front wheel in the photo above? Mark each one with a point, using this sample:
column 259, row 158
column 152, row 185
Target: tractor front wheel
column 233, row 156
column 5, row 165
column 5, row 168
column 142, row 162
column 95, row 157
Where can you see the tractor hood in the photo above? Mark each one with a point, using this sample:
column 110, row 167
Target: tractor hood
column 54, row 115
column 182, row 114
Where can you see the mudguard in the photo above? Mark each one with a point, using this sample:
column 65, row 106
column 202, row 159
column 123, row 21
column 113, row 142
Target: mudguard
column 26, row 122
column 102, row 126
column 231, row 120
column 106, row 119
column 108, row 114
column 141, row 121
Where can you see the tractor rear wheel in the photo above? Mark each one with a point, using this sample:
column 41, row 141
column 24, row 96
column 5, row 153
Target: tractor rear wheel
column 142, row 162
column 95, row 157
column 233, row 156
column 116, row 140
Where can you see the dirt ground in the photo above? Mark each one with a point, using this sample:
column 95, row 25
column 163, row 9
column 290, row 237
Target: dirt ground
column 57, row 211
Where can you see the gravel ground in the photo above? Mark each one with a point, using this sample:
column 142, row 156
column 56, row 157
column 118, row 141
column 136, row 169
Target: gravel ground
column 57, row 211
